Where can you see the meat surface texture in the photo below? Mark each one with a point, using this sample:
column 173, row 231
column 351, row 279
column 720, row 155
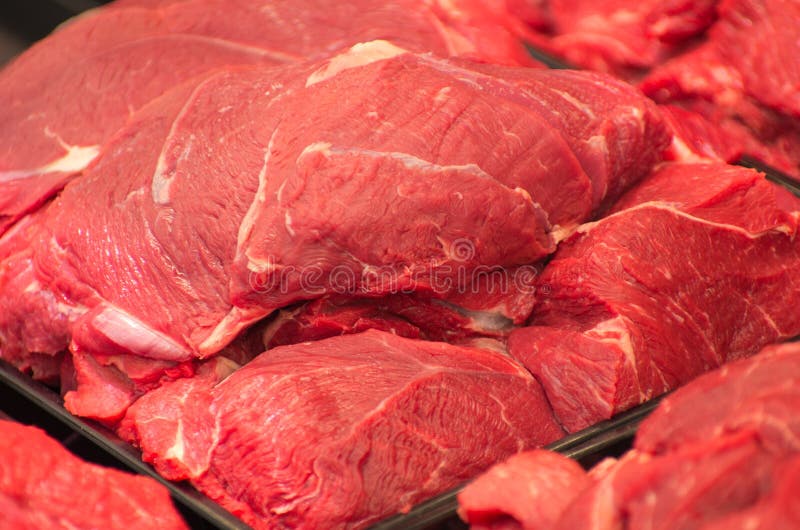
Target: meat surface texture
column 745, row 77
column 67, row 95
column 231, row 197
column 529, row 491
column 43, row 486
column 342, row 431
column 695, row 267
column 720, row 453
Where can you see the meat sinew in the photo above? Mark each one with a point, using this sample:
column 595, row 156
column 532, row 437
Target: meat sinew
column 231, row 196
column 342, row 431
column 720, row 453
column 695, row 267
column 42, row 485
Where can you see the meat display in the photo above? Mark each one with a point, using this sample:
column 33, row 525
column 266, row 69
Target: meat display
column 325, row 260
column 344, row 430
column 696, row 266
column 191, row 229
column 720, row 453
column 111, row 62
column 42, row 485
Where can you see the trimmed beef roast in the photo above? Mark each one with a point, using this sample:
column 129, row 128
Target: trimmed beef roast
column 341, row 432
column 67, row 95
column 695, row 267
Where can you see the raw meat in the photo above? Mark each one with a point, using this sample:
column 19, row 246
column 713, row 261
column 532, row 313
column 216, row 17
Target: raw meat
column 342, row 431
column 529, row 491
column 621, row 36
column 696, row 139
column 745, row 77
column 283, row 203
column 720, row 453
column 67, row 95
column 695, row 267
column 44, row 486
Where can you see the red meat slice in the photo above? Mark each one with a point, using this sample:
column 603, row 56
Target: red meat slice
column 620, row 36
column 342, row 431
column 716, row 461
column 696, row 139
column 45, row 486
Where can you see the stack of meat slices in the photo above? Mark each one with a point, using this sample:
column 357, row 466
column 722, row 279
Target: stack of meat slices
column 179, row 203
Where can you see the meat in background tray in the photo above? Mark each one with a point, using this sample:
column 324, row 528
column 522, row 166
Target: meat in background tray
column 734, row 63
column 45, row 486
column 720, row 453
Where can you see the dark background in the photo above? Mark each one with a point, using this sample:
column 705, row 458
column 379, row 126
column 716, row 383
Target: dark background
column 23, row 22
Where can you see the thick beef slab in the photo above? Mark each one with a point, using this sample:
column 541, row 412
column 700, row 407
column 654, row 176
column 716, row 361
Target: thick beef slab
column 695, row 267
column 42, row 486
column 67, row 95
column 720, row 453
column 254, row 188
column 340, row 432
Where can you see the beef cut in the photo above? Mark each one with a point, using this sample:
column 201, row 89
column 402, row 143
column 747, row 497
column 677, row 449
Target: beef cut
column 67, row 95
column 720, row 453
column 343, row 431
column 44, row 486
column 744, row 77
column 696, row 266
column 230, row 197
